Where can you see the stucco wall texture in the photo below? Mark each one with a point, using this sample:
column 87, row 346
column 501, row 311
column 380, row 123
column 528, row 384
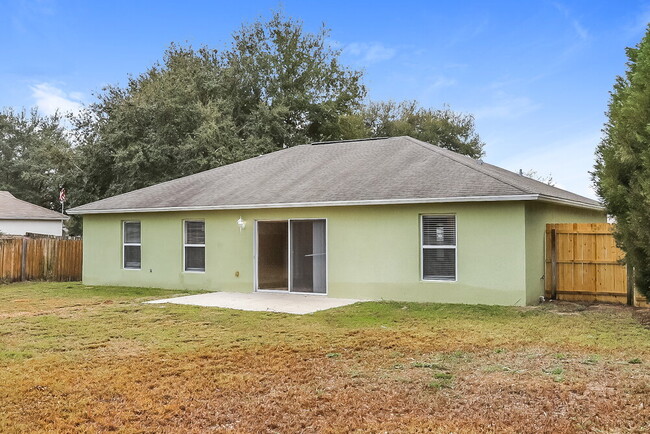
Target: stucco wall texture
column 373, row 252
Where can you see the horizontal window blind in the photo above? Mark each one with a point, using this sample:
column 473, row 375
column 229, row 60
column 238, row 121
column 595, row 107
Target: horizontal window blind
column 132, row 232
column 439, row 264
column 194, row 258
column 438, row 247
column 438, row 230
column 131, row 245
column 132, row 257
column 194, row 232
column 194, row 246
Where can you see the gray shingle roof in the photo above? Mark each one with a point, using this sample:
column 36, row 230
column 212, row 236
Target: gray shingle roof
column 371, row 171
column 16, row 209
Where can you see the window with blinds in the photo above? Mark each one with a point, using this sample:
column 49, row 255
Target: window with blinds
column 131, row 245
column 194, row 245
column 439, row 247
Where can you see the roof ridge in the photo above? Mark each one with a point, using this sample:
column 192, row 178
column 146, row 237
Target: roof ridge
column 367, row 139
column 337, row 175
column 453, row 156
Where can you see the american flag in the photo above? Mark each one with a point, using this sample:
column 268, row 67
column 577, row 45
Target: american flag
column 62, row 195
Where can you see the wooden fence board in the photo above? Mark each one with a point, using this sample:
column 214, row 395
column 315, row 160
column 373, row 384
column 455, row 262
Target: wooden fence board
column 44, row 259
column 11, row 251
column 589, row 266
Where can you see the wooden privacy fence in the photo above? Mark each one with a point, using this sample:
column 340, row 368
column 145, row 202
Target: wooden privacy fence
column 584, row 264
column 40, row 259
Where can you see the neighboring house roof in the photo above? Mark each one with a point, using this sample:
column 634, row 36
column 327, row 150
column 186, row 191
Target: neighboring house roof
column 394, row 170
column 16, row 209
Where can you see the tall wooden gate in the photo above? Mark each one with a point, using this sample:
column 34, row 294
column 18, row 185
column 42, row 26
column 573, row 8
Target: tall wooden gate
column 584, row 264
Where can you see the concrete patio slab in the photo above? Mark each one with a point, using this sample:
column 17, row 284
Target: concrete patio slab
column 297, row 304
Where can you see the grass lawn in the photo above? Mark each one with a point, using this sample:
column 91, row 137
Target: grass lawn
column 77, row 358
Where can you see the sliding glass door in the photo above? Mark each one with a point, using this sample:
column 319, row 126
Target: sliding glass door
column 308, row 256
column 272, row 256
column 301, row 268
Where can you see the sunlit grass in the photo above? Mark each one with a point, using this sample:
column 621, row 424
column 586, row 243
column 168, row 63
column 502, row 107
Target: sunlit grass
column 73, row 356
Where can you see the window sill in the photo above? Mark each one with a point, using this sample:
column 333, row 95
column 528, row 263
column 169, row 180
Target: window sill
column 439, row 280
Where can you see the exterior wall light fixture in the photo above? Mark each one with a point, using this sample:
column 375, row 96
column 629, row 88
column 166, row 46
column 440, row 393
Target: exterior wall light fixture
column 241, row 223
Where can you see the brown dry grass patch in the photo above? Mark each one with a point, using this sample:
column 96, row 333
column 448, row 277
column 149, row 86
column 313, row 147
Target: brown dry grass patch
column 103, row 363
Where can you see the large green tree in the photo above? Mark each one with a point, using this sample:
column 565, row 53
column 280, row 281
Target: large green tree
column 167, row 122
column 275, row 86
column 622, row 171
column 36, row 156
column 287, row 86
column 442, row 127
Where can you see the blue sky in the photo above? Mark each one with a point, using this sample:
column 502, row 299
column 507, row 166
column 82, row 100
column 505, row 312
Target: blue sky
column 536, row 74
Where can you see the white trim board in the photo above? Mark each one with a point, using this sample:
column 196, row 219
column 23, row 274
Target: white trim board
column 523, row 197
column 54, row 219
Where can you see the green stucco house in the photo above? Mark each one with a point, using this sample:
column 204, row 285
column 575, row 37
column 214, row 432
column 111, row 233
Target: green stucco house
column 390, row 218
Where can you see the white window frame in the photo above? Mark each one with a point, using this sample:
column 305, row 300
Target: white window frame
column 125, row 245
column 447, row 247
column 185, row 244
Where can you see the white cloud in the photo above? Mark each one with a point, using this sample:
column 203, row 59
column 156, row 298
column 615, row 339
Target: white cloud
column 580, row 30
column 462, row 35
column 569, row 161
column 440, row 82
column 506, row 106
column 369, row 52
column 51, row 99
column 583, row 34
column 25, row 14
column 76, row 96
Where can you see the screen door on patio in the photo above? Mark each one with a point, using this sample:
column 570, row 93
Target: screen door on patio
column 308, row 258
column 303, row 268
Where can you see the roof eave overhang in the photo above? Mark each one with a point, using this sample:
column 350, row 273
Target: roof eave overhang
column 63, row 217
column 525, row 197
column 569, row 202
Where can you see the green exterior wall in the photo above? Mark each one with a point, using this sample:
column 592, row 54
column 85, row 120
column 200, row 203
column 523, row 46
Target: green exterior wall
column 538, row 214
column 373, row 251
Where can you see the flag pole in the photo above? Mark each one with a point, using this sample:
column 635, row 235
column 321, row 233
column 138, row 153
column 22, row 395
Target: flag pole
column 62, row 199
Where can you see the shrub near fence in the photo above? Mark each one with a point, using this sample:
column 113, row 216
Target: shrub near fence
column 40, row 259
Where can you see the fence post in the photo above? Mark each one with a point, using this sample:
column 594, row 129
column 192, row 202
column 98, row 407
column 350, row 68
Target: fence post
column 630, row 285
column 23, row 262
column 553, row 264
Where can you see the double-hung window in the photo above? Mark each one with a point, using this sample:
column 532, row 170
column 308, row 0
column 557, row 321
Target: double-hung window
column 131, row 245
column 439, row 247
column 194, row 245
